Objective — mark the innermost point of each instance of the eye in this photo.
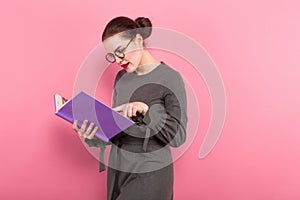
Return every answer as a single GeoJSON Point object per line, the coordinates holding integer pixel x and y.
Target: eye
{"type": "Point", "coordinates": [120, 50]}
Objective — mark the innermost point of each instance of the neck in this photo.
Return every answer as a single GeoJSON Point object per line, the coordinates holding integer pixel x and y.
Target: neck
{"type": "Point", "coordinates": [147, 64]}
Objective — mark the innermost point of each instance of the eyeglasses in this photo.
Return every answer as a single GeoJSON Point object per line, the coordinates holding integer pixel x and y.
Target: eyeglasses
{"type": "Point", "coordinates": [119, 52]}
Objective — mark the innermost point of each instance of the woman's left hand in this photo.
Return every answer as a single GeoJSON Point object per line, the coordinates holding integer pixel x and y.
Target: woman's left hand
{"type": "Point", "coordinates": [130, 109]}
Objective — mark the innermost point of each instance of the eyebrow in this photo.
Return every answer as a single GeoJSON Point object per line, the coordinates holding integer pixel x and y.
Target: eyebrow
{"type": "Point", "coordinates": [119, 47]}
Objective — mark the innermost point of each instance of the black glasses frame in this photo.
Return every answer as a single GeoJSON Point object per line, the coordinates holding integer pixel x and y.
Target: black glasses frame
{"type": "Point", "coordinates": [111, 57]}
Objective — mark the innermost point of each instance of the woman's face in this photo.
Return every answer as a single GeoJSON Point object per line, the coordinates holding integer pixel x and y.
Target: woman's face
{"type": "Point", "coordinates": [133, 52]}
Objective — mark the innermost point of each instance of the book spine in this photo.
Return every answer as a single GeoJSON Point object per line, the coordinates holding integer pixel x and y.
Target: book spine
{"type": "Point", "coordinates": [67, 118]}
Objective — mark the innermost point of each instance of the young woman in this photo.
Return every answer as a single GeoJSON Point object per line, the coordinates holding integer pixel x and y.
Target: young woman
{"type": "Point", "coordinates": [153, 95]}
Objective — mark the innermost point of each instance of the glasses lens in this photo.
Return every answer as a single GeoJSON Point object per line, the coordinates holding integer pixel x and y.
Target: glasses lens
{"type": "Point", "coordinates": [120, 54]}
{"type": "Point", "coordinates": [110, 57]}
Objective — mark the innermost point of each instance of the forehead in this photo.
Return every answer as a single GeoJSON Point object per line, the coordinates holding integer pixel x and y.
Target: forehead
{"type": "Point", "coordinates": [113, 42]}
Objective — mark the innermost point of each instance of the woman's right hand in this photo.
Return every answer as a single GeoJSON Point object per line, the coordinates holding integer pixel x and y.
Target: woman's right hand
{"type": "Point", "coordinates": [89, 133]}
{"type": "Point", "coordinates": [130, 109]}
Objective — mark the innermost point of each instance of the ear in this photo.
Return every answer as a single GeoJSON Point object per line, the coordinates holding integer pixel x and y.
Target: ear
{"type": "Point", "coordinates": [139, 39]}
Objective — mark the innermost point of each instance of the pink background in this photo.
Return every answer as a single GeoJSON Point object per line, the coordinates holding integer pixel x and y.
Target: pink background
{"type": "Point", "coordinates": [256, 46]}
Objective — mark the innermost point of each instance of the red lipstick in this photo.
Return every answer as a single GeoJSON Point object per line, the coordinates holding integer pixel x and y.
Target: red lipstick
{"type": "Point", "coordinates": [125, 65]}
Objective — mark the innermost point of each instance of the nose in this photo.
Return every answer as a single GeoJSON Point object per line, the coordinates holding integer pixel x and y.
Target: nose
{"type": "Point", "coordinates": [118, 60]}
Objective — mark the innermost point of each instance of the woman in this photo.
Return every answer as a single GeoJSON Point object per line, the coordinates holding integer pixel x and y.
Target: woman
{"type": "Point", "coordinates": [152, 94]}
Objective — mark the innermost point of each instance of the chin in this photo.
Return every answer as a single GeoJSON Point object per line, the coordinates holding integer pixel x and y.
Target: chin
{"type": "Point", "coordinates": [130, 68]}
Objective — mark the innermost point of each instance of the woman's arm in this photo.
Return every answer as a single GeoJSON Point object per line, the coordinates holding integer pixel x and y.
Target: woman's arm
{"type": "Point", "coordinates": [167, 122]}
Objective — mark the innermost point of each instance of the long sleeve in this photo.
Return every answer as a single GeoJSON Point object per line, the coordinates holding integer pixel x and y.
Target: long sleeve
{"type": "Point", "coordinates": [165, 122]}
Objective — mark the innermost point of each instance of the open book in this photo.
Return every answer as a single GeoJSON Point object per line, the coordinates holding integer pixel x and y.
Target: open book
{"type": "Point", "coordinates": [83, 106]}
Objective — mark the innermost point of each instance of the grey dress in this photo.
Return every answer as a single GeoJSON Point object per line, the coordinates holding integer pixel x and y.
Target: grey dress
{"type": "Point", "coordinates": [140, 162]}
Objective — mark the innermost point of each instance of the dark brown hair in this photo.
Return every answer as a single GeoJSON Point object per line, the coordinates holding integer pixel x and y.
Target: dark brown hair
{"type": "Point", "coordinates": [129, 27]}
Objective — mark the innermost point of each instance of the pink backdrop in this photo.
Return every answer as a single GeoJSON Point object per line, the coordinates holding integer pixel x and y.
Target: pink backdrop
{"type": "Point", "coordinates": [256, 46]}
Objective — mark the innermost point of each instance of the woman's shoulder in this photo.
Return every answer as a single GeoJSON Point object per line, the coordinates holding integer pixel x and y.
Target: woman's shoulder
{"type": "Point", "coordinates": [120, 73]}
{"type": "Point", "coordinates": [173, 81]}
{"type": "Point", "coordinates": [170, 73]}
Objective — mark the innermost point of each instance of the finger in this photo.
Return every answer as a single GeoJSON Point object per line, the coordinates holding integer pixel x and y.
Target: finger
{"type": "Point", "coordinates": [80, 133]}
{"type": "Point", "coordinates": [140, 109]}
{"type": "Point", "coordinates": [125, 110]}
{"type": "Point", "coordinates": [144, 108]}
{"type": "Point", "coordinates": [91, 136]}
{"type": "Point", "coordinates": [118, 108]}
{"type": "Point", "coordinates": [82, 129]}
{"type": "Point", "coordinates": [75, 125]}
{"type": "Point", "coordinates": [129, 110]}
{"type": "Point", "coordinates": [89, 128]}
{"type": "Point", "coordinates": [134, 110]}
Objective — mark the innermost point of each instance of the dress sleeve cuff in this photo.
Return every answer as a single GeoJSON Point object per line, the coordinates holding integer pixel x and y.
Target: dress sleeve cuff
{"type": "Point", "coordinates": [147, 119]}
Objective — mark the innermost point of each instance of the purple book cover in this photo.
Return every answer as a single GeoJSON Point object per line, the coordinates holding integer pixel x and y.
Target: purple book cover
{"type": "Point", "coordinates": [83, 106]}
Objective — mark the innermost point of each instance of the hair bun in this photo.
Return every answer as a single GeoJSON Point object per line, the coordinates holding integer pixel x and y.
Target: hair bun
{"type": "Point", "coordinates": [145, 25]}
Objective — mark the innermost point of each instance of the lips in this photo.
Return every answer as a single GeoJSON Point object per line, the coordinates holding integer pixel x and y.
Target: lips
{"type": "Point", "coordinates": [125, 65]}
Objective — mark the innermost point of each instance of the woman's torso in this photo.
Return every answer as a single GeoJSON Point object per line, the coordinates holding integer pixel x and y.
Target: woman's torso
{"type": "Point", "coordinates": [127, 152]}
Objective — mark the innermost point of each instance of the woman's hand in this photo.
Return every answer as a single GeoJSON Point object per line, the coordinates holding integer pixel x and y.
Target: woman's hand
{"type": "Point", "coordinates": [89, 133]}
{"type": "Point", "coordinates": [130, 109]}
